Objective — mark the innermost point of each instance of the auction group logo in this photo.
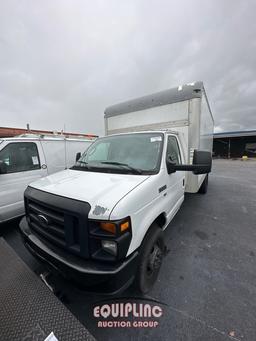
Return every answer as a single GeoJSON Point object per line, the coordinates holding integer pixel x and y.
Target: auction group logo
{"type": "Point", "coordinates": [128, 314]}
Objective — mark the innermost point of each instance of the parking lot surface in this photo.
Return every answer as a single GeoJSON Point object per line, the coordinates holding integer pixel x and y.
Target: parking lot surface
{"type": "Point", "coordinates": [208, 277]}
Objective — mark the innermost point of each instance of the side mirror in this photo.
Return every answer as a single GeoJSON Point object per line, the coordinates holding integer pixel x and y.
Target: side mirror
{"type": "Point", "coordinates": [202, 164]}
{"type": "Point", "coordinates": [3, 168]}
{"type": "Point", "coordinates": [78, 155]}
{"type": "Point", "coordinates": [203, 161]}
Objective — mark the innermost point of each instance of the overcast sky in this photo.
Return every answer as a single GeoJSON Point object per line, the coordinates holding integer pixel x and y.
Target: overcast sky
{"type": "Point", "coordinates": [63, 61]}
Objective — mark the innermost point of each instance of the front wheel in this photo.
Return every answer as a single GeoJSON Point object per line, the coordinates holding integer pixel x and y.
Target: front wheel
{"type": "Point", "coordinates": [150, 261]}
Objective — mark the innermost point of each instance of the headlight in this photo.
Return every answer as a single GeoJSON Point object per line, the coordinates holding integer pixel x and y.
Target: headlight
{"type": "Point", "coordinates": [109, 240]}
{"type": "Point", "coordinates": [109, 246]}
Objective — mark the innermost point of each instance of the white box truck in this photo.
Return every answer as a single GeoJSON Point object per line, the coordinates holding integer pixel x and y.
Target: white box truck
{"type": "Point", "coordinates": [102, 222]}
{"type": "Point", "coordinates": [26, 158]}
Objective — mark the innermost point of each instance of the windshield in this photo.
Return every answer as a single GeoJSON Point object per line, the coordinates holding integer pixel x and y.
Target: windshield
{"type": "Point", "coordinates": [138, 153]}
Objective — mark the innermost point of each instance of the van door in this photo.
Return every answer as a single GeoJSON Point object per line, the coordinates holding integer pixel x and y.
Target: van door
{"type": "Point", "coordinates": [54, 151]}
{"type": "Point", "coordinates": [176, 181]}
{"type": "Point", "coordinates": [20, 164]}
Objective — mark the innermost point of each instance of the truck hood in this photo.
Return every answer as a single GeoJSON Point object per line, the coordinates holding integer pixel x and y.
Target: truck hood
{"type": "Point", "coordinates": [101, 190]}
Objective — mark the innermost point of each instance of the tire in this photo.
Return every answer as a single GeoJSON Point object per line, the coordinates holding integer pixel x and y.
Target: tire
{"type": "Point", "coordinates": [204, 187]}
{"type": "Point", "coordinates": [150, 261]}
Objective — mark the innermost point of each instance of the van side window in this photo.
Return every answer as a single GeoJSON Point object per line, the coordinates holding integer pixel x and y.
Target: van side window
{"type": "Point", "coordinates": [20, 157]}
{"type": "Point", "coordinates": [173, 150]}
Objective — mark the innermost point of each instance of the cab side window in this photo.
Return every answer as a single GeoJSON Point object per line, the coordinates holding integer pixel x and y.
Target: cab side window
{"type": "Point", "coordinates": [19, 157]}
{"type": "Point", "coordinates": [173, 151]}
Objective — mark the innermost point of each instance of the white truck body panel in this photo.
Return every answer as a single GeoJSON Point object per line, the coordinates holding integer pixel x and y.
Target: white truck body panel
{"type": "Point", "coordinates": [167, 116]}
{"type": "Point", "coordinates": [53, 155]}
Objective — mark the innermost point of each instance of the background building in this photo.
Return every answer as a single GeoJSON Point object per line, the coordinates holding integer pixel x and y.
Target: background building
{"type": "Point", "coordinates": [235, 144]}
{"type": "Point", "coordinates": [10, 132]}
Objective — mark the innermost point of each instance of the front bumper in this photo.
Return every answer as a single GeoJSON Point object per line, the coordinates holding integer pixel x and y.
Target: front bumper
{"type": "Point", "coordinates": [106, 278]}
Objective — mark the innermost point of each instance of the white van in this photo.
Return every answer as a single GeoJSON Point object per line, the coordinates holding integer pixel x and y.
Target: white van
{"type": "Point", "coordinates": [102, 222]}
{"type": "Point", "coordinates": [26, 158]}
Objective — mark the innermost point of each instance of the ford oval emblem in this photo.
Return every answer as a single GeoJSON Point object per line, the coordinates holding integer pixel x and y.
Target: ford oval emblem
{"type": "Point", "coordinates": [43, 220]}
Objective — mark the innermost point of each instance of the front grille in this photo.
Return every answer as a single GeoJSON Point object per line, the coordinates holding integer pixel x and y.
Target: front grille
{"type": "Point", "coordinates": [58, 220]}
{"type": "Point", "coordinates": [54, 230]}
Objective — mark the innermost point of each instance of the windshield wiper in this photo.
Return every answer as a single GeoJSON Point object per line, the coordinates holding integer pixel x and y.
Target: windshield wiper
{"type": "Point", "coordinates": [85, 165]}
{"type": "Point", "coordinates": [83, 162]}
{"type": "Point", "coordinates": [135, 170]}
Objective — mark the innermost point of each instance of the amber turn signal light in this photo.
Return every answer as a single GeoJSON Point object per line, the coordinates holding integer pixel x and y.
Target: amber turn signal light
{"type": "Point", "coordinates": [109, 227]}
{"type": "Point", "coordinates": [124, 226]}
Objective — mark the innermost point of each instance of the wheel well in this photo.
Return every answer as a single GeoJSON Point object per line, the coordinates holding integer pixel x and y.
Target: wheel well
{"type": "Point", "coordinates": [160, 220]}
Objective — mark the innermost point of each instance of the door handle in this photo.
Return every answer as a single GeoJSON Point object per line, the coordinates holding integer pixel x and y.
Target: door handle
{"type": "Point", "coordinates": [161, 189]}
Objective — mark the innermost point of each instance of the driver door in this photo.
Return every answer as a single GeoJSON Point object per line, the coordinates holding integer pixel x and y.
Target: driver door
{"type": "Point", "coordinates": [175, 181]}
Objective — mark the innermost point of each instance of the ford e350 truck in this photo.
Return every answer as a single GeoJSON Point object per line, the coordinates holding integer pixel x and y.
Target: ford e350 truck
{"type": "Point", "coordinates": [102, 222]}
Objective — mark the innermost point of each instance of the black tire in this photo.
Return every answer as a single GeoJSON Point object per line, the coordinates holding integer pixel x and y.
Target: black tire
{"type": "Point", "coordinates": [150, 261]}
{"type": "Point", "coordinates": [204, 187]}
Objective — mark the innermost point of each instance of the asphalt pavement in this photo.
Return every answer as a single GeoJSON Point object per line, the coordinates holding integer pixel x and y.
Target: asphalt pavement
{"type": "Point", "coordinates": [208, 278]}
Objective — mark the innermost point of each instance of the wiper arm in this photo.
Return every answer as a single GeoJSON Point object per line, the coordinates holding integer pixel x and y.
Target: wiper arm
{"type": "Point", "coordinates": [135, 170]}
{"type": "Point", "coordinates": [76, 166]}
{"type": "Point", "coordinates": [83, 162]}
